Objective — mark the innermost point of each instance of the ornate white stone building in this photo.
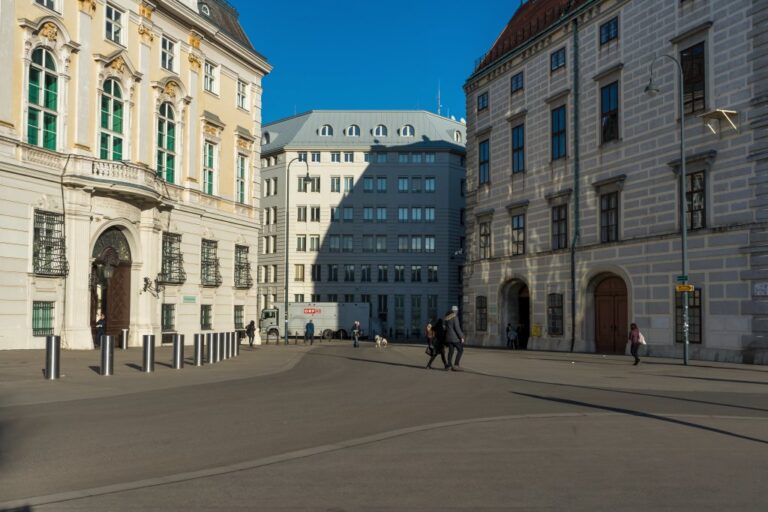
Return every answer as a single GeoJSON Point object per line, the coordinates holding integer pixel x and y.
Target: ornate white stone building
{"type": "Point", "coordinates": [129, 144]}
{"type": "Point", "coordinates": [573, 199]}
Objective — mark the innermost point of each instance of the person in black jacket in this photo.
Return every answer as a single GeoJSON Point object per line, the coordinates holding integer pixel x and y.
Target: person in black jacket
{"type": "Point", "coordinates": [454, 338]}
{"type": "Point", "coordinates": [250, 331]}
{"type": "Point", "coordinates": [437, 343]}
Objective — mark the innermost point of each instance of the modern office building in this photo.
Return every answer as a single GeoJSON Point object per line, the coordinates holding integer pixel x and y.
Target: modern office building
{"type": "Point", "coordinates": [129, 143]}
{"type": "Point", "coordinates": [375, 212]}
{"type": "Point", "coordinates": [573, 178]}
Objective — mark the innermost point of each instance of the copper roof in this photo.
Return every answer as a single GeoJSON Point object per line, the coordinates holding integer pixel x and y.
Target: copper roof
{"type": "Point", "coordinates": [531, 19]}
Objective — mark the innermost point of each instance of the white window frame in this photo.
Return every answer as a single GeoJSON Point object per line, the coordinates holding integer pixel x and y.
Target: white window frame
{"type": "Point", "coordinates": [242, 94]}
{"type": "Point", "coordinates": [210, 77]}
{"type": "Point", "coordinates": [168, 48]}
{"type": "Point", "coordinates": [113, 27]}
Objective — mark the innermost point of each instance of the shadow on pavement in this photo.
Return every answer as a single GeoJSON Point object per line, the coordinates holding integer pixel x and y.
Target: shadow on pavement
{"type": "Point", "coordinates": [641, 414]}
{"type": "Point", "coordinates": [714, 379]}
{"type": "Point", "coordinates": [363, 360]}
{"type": "Point", "coordinates": [25, 508]}
{"type": "Point", "coordinates": [134, 366]}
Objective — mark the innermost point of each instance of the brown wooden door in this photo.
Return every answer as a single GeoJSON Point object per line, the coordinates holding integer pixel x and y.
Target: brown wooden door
{"type": "Point", "coordinates": [610, 316]}
{"type": "Point", "coordinates": [117, 307]}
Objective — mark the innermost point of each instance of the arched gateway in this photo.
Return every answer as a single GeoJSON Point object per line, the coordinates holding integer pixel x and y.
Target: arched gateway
{"type": "Point", "coordinates": [516, 310]}
{"type": "Point", "coordinates": [111, 282]}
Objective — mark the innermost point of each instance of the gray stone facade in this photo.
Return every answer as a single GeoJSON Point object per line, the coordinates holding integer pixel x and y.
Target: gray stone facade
{"type": "Point", "coordinates": [726, 249]}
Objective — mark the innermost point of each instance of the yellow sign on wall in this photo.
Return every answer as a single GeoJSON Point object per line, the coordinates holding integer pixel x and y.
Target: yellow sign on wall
{"type": "Point", "coordinates": [684, 288]}
{"type": "Point", "coordinates": [536, 330]}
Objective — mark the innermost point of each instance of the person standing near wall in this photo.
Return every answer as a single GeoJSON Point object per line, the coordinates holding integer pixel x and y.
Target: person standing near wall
{"type": "Point", "coordinates": [454, 337]}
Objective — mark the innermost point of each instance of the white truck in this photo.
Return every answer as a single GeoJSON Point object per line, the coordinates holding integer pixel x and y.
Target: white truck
{"type": "Point", "coordinates": [331, 319]}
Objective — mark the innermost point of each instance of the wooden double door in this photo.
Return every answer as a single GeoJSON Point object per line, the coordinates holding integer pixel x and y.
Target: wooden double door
{"type": "Point", "coordinates": [611, 328]}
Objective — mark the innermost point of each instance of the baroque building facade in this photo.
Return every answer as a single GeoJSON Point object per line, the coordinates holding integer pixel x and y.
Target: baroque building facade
{"type": "Point", "coordinates": [129, 143]}
{"type": "Point", "coordinates": [573, 209]}
{"type": "Point", "coordinates": [375, 209]}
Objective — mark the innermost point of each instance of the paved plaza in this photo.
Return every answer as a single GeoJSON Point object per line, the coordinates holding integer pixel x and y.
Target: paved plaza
{"type": "Point", "coordinates": [332, 428]}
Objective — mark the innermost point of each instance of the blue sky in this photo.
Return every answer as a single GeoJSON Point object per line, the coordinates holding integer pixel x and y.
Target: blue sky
{"type": "Point", "coordinates": [359, 54]}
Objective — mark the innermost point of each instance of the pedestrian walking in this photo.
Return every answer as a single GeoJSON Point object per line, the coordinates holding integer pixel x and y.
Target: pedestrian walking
{"type": "Point", "coordinates": [250, 331]}
{"type": "Point", "coordinates": [454, 338]}
{"type": "Point", "coordinates": [636, 339]}
{"type": "Point", "coordinates": [309, 332]}
{"type": "Point", "coordinates": [356, 333]}
{"type": "Point", "coordinates": [511, 336]}
{"type": "Point", "coordinates": [436, 343]}
{"type": "Point", "coordinates": [101, 328]}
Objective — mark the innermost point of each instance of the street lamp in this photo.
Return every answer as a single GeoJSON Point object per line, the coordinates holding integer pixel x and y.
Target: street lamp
{"type": "Point", "coordinates": [307, 179]}
{"type": "Point", "coordinates": [651, 89]}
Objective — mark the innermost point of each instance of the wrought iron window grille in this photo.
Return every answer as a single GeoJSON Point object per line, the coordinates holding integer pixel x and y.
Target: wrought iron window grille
{"type": "Point", "coordinates": [49, 247]}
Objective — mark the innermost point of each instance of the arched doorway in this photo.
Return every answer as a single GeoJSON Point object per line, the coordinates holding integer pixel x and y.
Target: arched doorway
{"type": "Point", "coordinates": [610, 316]}
{"type": "Point", "coordinates": [517, 310]}
{"type": "Point", "coordinates": [111, 282]}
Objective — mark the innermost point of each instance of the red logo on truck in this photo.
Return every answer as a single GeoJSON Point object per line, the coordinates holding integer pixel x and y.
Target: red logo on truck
{"type": "Point", "coordinates": [312, 311]}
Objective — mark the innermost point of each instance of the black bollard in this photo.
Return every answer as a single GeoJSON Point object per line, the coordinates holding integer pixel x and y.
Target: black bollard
{"type": "Point", "coordinates": [198, 349]}
{"type": "Point", "coordinates": [149, 353]}
{"type": "Point", "coordinates": [107, 355]}
{"type": "Point", "coordinates": [221, 347]}
{"type": "Point", "coordinates": [209, 342]}
{"type": "Point", "coordinates": [225, 353]}
{"type": "Point", "coordinates": [52, 356]}
{"type": "Point", "coordinates": [215, 342]}
{"type": "Point", "coordinates": [178, 351]}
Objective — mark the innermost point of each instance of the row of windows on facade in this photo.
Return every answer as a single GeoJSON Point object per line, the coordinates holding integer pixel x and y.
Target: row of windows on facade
{"type": "Point", "coordinates": [269, 273]}
{"type": "Point", "coordinates": [692, 61]}
{"type": "Point", "coordinates": [42, 127]}
{"type": "Point", "coordinates": [345, 243]}
{"type": "Point", "coordinates": [115, 23]}
{"type": "Point", "coordinates": [405, 184]}
{"type": "Point", "coordinates": [349, 157]}
{"type": "Point", "coordinates": [382, 309]}
{"type": "Point", "coordinates": [168, 317]}
{"type": "Point", "coordinates": [609, 220]}
{"type": "Point", "coordinates": [380, 130]}
{"type": "Point", "coordinates": [556, 315]}
{"type": "Point", "coordinates": [347, 214]}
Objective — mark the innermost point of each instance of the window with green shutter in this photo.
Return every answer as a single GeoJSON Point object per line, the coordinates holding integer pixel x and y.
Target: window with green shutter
{"type": "Point", "coordinates": [42, 113]}
{"type": "Point", "coordinates": [209, 166]}
{"type": "Point", "coordinates": [166, 143]}
{"type": "Point", "coordinates": [111, 139]}
{"type": "Point", "coordinates": [42, 318]}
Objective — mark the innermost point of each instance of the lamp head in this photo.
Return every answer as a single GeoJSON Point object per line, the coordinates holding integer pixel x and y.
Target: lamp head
{"type": "Point", "coordinates": [651, 89]}
{"type": "Point", "coordinates": [108, 271]}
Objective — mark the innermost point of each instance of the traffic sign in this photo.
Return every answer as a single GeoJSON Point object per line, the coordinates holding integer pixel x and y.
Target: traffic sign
{"type": "Point", "coordinates": [682, 279]}
{"type": "Point", "coordinates": [684, 288]}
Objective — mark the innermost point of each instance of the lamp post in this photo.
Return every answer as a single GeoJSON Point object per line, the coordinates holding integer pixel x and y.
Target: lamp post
{"type": "Point", "coordinates": [651, 89]}
{"type": "Point", "coordinates": [307, 179]}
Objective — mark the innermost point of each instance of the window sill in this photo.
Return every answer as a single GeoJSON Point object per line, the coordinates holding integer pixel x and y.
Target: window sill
{"type": "Point", "coordinates": [611, 143]}
{"type": "Point", "coordinates": [116, 43]}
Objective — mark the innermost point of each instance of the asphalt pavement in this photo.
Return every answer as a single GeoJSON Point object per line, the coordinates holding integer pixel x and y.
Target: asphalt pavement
{"type": "Point", "coordinates": [334, 428]}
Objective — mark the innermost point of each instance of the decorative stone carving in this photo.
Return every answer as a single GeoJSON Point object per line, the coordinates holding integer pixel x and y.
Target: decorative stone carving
{"type": "Point", "coordinates": [118, 65]}
{"type": "Point", "coordinates": [146, 33]}
{"type": "Point", "coordinates": [244, 144]}
{"type": "Point", "coordinates": [211, 130]}
{"type": "Point", "coordinates": [194, 41]}
{"type": "Point", "coordinates": [195, 61]}
{"type": "Point", "coordinates": [170, 89]}
{"type": "Point", "coordinates": [87, 6]}
{"type": "Point", "coordinates": [49, 31]}
{"type": "Point", "coordinates": [145, 11]}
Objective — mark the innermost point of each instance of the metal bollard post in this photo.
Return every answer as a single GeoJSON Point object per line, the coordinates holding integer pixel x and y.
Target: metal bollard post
{"type": "Point", "coordinates": [215, 346]}
{"type": "Point", "coordinates": [124, 340]}
{"type": "Point", "coordinates": [52, 357]}
{"type": "Point", "coordinates": [178, 351]}
{"type": "Point", "coordinates": [198, 349]}
{"type": "Point", "coordinates": [107, 355]}
{"type": "Point", "coordinates": [235, 344]}
{"type": "Point", "coordinates": [225, 347]}
{"type": "Point", "coordinates": [228, 341]}
{"type": "Point", "coordinates": [221, 347]}
{"type": "Point", "coordinates": [149, 353]}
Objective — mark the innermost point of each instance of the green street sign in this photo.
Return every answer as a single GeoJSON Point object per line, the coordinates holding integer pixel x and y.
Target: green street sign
{"type": "Point", "coordinates": [682, 279]}
{"type": "Point", "coordinates": [190, 299]}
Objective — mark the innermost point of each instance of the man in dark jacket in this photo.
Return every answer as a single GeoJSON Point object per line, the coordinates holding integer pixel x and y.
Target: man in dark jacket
{"type": "Point", "coordinates": [454, 338]}
{"type": "Point", "coordinates": [438, 344]}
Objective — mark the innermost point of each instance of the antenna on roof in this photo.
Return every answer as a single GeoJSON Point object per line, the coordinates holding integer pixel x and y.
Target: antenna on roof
{"type": "Point", "coordinates": [439, 105]}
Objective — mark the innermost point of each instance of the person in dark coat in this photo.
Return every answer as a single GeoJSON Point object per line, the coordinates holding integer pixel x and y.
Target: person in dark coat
{"type": "Point", "coordinates": [309, 332]}
{"type": "Point", "coordinates": [356, 333]}
{"type": "Point", "coordinates": [250, 331]}
{"type": "Point", "coordinates": [454, 338]}
{"type": "Point", "coordinates": [101, 328]}
{"type": "Point", "coordinates": [437, 342]}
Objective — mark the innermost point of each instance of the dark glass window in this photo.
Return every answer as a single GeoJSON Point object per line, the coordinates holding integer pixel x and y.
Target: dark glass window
{"type": "Point", "coordinates": [518, 234]}
{"type": "Point", "coordinates": [484, 167]}
{"type": "Point", "coordinates": [695, 214]}
{"type": "Point", "coordinates": [172, 265]}
{"type": "Point", "coordinates": [692, 62]}
{"type": "Point", "coordinates": [482, 101]}
{"type": "Point", "coordinates": [48, 247]}
{"type": "Point", "coordinates": [209, 264]}
{"type": "Point", "coordinates": [168, 317]}
{"type": "Point", "coordinates": [333, 272]}
{"type": "Point", "coordinates": [560, 227]}
{"type": "Point", "coordinates": [555, 314]}
{"type": "Point", "coordinates": [316, 272]}
{"type": "Point", "coordinates": [609, 112]}
{"type": "Point", "coordinates": [240, 314]}
{"type": "Point", "coordinates": [694, 316]}
{"type": "Point", "coordinates": [206, 317]}
{"type": "Point", "coordinates": [485, 240]}
{"type": "Point", "coordinates": [609, 217]}
{"type": "Point", "coordinates": [516, 82]}
{"type": "Point", "coordinates": [243, 277]}
{"type": "Point", "coordinates": [558, 133]}
{"type": "Point", "coordinates": [557, 59]}
{"type": "Point", "coordinates": [609, 31]}
{"type": "Point", "coordinates": [481, 313]}
{"type": "Point", "coordinates": [518, 148]}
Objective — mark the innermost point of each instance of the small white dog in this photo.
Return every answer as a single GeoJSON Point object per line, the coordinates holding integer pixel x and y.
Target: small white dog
{"type": "Point", "coordinates": [381, 342]}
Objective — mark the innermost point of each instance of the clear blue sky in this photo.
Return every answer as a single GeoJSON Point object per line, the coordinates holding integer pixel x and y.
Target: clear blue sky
{"type": "Point", "coordinates": [361, 54]}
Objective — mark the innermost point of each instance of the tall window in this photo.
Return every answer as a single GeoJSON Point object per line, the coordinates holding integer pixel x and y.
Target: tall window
{"type": "Point", "coordinates": [430, 184]}
{"type": "Point", "coordinates": [609, 112]}
{"type": "Point", "coordinates": [335, 183]}
{"type": "Point", "coordinates": [482, 101]}
{"type": "Point", "coordinates": [368, 184]}
{"type": "Point", "coordinates": [609, 217]}
{"type": "Point", "coordinates": [48, 246]}
{"type": "Point", "coordinates": [481, 313]}
{"type": "Point", "coordinates": [243, 277]}
{"type": "Point", "coordinates": [167, 54]}
{"type": "Point", "coordinates": [365, 273]}
{"type": "Point", "coordinates": [239, 316]}
{"type": "Point", "coordinates": [317, 272]}
{"type": "Point", "coordinates": [484, 162]}
{"type": "Point", "coordinates": [432, 307]}
{"type": "Point", "coordinates": [694, 316]}
{"type": "Point", "coordinates": [485, 240]}
{"type": "Point", "coordinates": [51, 4]}
{"type": "Point", "coordinates": [111, 139]}
{"type": "Point", "coordinates": [314, 243]}
{"type": "Point", "coordinates": [43, 100]}
{"type": "Point", "coordinates": [518, 234]}
{"type": "Point", "coordinates": [242, 171]}
{"type": "Point", "coordinates": [399, 315]}
{"type": "Point", "coordinates": [349, 156]}
{"type": "Point", "coordinates": [518, 148]}
{"type": "Point", "coordinates": [381, 184]}
{"type": "Point", "coordinates": [555, 314]}
{"type": "Point", "coordinates": [516, 83]}
{"type": "Point", "coordinates": [209, 167]}
{"type": "Point", "coordinates": [209, 264]}
{"type": "Point", "coordinates": [349, 272]}
{"type": "Point", "coordinates": [347, 243]}
{"type": "Point", "coordinates": [242, 95]}
{"type": "Point", "coordinates": [172, 271]}
{"type": "Point", "coordinates": [694, 78]}
{"type": "Point", "coordinates": [695, 214]}
{"type": "Point", "coordinates": [383, 273]}
{"type": "Point", "coordinates": [333, 272]}
{"type": "Point", "coordinates": [609, 31]}
{"type": "Point", "coordinates": [349, 184]}
{"type": "Point", "coordinates": [558, 133]}
{"type": "Point", "coordinates": [432, 273]}
{"type": "Point", "coordinates": [382, 307]}
{"type": "Point", "coordinates": [429, 243]}
{"type": "Point", "coordinates": [415, 273]}
{"type": "Point", "coordinates": [298, 272]}
{"type": "Point", "coordinates": [166, 143]}
{"type": "Point", "coordinates": [209, 77]}
{"type": "Point", "coordinates": [557, 59]}
{"type": "Point", "coordinates": [206, 317]}
{"type": "Point", "coordinates": [168, 317]}
{"type": "Point", "coordinates": [399, 273]}
{"type": "Point", "coordinates": [113, 27]}
{"type": "Point", "coordinates": [381, 214]}
{"type": "Point", "coordinates": [42, 318]}
{"type": "Point", "coordinates": [402, 184]}
{"type": "Point", "coordinates": [416, 315]}
{"type": "Point", "coordinates": [381, 243]}
{"type": "Point", "coordinates": [560, 227]}
{"type": "Point", "coordinates": [314, 212]}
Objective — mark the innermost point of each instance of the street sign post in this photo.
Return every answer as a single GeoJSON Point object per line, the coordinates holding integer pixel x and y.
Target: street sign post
{"type": "Point", "coordinates": [684, 288]}
{"type": "Point", "coordinates": [682, 279]}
